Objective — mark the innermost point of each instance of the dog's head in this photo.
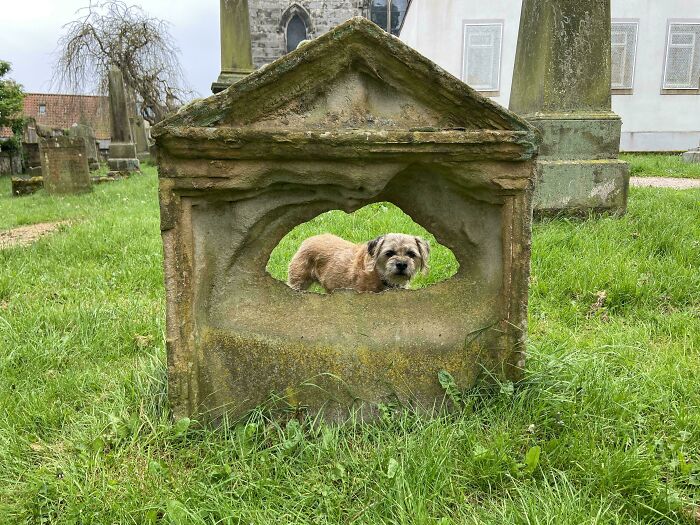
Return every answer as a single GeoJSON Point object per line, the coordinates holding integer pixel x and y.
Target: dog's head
{"type": "Point", "coordinates": [397, 257]}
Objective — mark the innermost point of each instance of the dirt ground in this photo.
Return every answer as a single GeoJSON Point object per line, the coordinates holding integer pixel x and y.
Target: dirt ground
{"type": "Point", "coordinates": [24, 235]}
{"type": "Point", "coordinates": [665, 182]}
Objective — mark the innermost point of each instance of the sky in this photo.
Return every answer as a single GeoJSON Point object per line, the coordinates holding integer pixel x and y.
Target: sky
{"type": "Point", "coordinates": [30, 29]}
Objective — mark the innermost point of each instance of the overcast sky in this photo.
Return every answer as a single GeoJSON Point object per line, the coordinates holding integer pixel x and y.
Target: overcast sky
{"type": "Point", "coordinates": [29, 31]}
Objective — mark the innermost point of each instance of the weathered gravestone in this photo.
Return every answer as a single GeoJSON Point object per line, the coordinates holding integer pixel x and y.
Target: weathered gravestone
{"type": "Point", "coordinates": [561, 84]}
{"type": "Point", "coordinates": [692, 156]}
{"type": "Point", "coordinates": [351, 118]}
{"type": "Point", "coordinates": [122, 151]}
{"type": "Point", "coordinates": [64, 165]}
{"type": "Point", "coordinates": [88, 135]}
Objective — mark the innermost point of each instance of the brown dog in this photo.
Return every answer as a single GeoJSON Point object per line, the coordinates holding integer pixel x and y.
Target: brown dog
{"type": "Point", "coordinates": [389, 261]}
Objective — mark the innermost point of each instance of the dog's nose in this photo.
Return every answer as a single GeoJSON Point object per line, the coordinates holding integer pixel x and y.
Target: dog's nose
{"type": "Point", "coordinates": [401, 266]}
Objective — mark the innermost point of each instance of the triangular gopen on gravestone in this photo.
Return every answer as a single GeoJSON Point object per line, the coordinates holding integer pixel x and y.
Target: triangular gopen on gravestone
{"type": "Point", "coordinates": [350, 118]}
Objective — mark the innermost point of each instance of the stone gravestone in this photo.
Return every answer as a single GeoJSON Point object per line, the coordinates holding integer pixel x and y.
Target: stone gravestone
{"type": "Point", "coordinates": [88, 135]}
{"type": "Point", "coordinates": [122, 151]}
{"type": "Point", "coordinates": [64, 163]}
{"type": "Point", "coordinates": [351, 118]}
{"type": "Point", "coordinates": [561, 84]}
{"type": "Point", "coordinates": [236, 51]}
{"type": "Point", "coordinates": [692, 156]}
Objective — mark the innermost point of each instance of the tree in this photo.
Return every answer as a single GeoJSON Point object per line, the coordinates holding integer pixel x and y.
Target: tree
{"type": "Point", "coordinates": [114, 33]}
{"type": "Point", "coordinates": [11, 97]}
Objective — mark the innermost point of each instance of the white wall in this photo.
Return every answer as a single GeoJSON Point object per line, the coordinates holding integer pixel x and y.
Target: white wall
{"type": "Point", "coordinates": [652, 121]}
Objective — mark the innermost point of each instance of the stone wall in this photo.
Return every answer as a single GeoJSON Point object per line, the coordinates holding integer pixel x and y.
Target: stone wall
{"type": "Point", "coordinates": [266, 17]}
{"type": "Point", "coordinates": [10, 163]}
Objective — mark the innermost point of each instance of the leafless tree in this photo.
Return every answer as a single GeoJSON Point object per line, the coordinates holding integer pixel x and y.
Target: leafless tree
{"type": "Point", "coordinates": [111, 32]}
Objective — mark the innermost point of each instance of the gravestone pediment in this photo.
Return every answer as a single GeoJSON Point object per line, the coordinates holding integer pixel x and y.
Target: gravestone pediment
{"type": "Point", "coordinates": [354, 77]}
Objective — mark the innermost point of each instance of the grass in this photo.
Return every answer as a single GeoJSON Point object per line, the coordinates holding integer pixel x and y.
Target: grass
{"type": "Point", "coordinates": [604, 430]}
{"type": "Point", "coordinates": [659, 165]}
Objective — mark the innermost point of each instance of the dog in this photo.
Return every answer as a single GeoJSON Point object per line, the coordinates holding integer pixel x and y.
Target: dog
{"type": "Point", "coordinates": [389, 261]}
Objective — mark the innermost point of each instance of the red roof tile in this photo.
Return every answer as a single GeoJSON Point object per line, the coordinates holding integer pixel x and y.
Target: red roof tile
{"type": "Point", "coordinates": [62, 111]}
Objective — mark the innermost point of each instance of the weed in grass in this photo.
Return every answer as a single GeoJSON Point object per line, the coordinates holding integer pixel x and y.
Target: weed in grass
{"type": "Point", "coordinates": [604, 429]}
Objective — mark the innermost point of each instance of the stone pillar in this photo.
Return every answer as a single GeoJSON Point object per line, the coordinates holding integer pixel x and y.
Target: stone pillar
{"type": "Point", "coordinates": [88, 135]}
{"type": "Point", "coordinates": [122, 151]}
{"type": "Point", "coordinates": [64, 164]}
{"type": "Point", "coordinates": [138, 129]}
{"type": "Point", "coordinates": [236, 54]}
{"type": "Point", "coordinates": [561, 84]}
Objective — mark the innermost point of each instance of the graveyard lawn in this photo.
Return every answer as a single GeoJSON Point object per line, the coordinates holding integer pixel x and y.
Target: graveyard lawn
{"type": "Point", "coordinates": [659, 165]}
{"type": "Point", "coordinates": [604, 429]}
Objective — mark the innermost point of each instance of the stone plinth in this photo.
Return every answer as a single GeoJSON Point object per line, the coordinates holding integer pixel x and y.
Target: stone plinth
{"type": "Point", "coordinates": [351, 118]}
{"type": "Point", "coordinates": [26, 185]}
{"type": "Point", "coordinates": [64, 165]}
{"type": "Point", "coordinates": [122, 150]}
{"type": "Point", "coordinates": [561, 84]}
{"type": "Point", "coordinates": [236, 54]}
{"type": "Point", "coordinates": [692, 156]}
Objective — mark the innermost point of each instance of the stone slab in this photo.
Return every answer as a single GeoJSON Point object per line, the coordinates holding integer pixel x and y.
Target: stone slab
{"type": "Point", "coordinates": [692, 156]}
{"type": "Point", "coordinates": [26, 185]}
{"type": "Point", "coordinates": [64, 165]}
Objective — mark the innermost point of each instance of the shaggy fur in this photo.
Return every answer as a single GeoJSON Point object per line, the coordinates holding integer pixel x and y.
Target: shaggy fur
{"type": "Point", "coordinates": [389, 261]}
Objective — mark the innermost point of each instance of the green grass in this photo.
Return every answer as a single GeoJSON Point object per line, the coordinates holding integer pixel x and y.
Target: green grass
{"type": "Point", "coordinates": [611, 399]}
{"type": "Point", "coordinates": [658, 165]}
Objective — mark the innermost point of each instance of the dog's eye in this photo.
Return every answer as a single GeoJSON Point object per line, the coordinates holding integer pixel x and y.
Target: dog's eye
{"type": "Point", "coordinates": [411, 254]}
{"type": "Point", "coordinates": [390, 253]}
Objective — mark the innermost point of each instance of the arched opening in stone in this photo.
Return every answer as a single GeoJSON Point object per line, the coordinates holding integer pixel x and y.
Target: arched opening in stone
{"type": "Point", "coordinates": [296, 32]}
{"type": "Point", "coordinates": [365, 224]}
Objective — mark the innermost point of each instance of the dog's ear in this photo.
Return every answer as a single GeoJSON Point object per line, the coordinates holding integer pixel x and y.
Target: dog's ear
{"type": "Point", "coordinates": [424, 250]}
{"type": "Point", "coordinates": [374, 248]}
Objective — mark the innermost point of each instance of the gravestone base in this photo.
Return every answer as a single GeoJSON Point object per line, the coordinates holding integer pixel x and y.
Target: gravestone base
{"type": "Point", "coordinates": [692, 156]}
{"type": "Point", "coordinates": [122, 159]}
{"type": "Point", "coordinates": [578, 169]}
{"type": "Point", "coordinates": [228, 77]}
{"type": "Point", "coordinates": [26, 185]}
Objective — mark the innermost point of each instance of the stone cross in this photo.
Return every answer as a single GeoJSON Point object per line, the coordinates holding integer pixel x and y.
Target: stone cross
{"type": "Point", "coordinates": [561, 84]}
{"type": "Point", "coordinates": [236, 53]}
{"type": "Point", "coordinates": [122, 151]}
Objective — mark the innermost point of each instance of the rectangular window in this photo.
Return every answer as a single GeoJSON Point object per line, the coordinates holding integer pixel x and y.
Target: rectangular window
{"type": "Point", "coordinates": [481, 67]}
{"type": "Point", "coordinates": [682, 69]}
{"type": "Point", "coordinates": [42, 109]}
{"type": "Point", "coordinates": [624, 52]}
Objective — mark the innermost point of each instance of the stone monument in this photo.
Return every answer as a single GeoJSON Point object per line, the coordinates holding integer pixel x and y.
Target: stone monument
{"type": "Point", "coordinates": [64, 164]}
{"type": "Point", "coordinates": [692, 156]}
{"type": "Point", "coordinates": [122, 151]}
{"type": "Point", "coordinates": [88, 135]}
{"type": "Point", "coordinates": [138, 128]}
{"type": "Point", "coordinates": [236, 54]}
{"type": "Point", "coordinates": [561, 84]}
{"type": "Point", "coordinates": [353, 117]}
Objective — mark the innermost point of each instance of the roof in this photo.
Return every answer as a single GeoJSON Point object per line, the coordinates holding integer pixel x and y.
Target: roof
{"type": "Point", "coordinates": [356, 76]}
{"type": "Point", "coordinates": [62, 111]}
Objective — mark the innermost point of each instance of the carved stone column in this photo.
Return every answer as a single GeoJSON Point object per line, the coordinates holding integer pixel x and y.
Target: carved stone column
{"type": "Point", "coordinates": [122, 151]}
{"type": "Point", "coordinates": [236, 54]}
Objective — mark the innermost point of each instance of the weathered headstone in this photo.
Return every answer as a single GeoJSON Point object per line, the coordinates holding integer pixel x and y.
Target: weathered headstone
{"type": "Point", "coordinates": [88, 135]}
{"type": "Point", "coordinates": [64, 165]}
{"type": "Point", "coordinates": [122, 151]}
{"type": "Point", "coordinates": [561, 84]}
{"type": "Point", "coordinates": [236, 54]}
{"type": "Point", "coordinates": [138, 128]}
{"type": "Point", "coordinates": [350, 118]}
{"type": "Point", "coordinates": [692, 156]}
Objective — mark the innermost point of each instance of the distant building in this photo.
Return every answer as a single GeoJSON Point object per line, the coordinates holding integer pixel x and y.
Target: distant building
{"type": "Point", "coordinates": [655, 60]}
{"type": "Point", "coordinates": [277, 26]}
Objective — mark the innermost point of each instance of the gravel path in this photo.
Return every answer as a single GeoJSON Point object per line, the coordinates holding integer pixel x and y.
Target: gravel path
{"type": "Point", "coordinates": [25, 235]}
{"type": "Point", "coordinates": [665, 182]}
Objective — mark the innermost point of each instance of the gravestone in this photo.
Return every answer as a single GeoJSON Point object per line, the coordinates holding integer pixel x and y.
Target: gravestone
{"type": "Point", "coordinates": [692, 156]}
{"type": "Point", "coordinates": [561, 84]}
{"type": "Point", "coordinates": [236, 51]}
{"type": "Point", "coordinates": [351, 118]}
{"type": "Point", "coordinates": [88, 135]}
{"type": "Point", "coordinates": [64, 165]}
{"type": "Point", "coordinates": [21, 186]}
{"type": "Point", "coordinates": [138, 128]}
{"type": "Point", "coordinates": [122, 151]}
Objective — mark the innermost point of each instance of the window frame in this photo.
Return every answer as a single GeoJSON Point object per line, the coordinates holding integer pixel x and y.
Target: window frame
{"type": "Point", "coordinates": [369, 5]}
{"type": "Point", "coordinates": [39, 110]}
{"type": "Point", "coordinates": [625, 90]}
{"type": "Point", "coordinates": [500, 22]}
{"type": "Point", "coordinates": [667, 46]}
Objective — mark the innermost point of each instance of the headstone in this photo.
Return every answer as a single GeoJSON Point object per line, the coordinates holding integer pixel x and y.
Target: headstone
{"type": "Point", "coordinates": [561, 84]}
{"type": "Point", "coordinates": [692, 156]}
{"type": "Point", "coordinates": [138, 129]}
{"type": "Point", "coordinates": [64, 165]}
{"type": "Point", "coordinates": [351, 118]}
{"type": "Point", "coordinates": [26, 185]}
{"type": "Point", "coordinates": [122, 151]}
{"type": "Point", "coordinates": [236, 54]}
{"type": "Point", "coordinates": [88, 135]}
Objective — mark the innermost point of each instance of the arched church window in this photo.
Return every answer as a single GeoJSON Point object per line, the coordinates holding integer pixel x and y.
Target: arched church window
{"type": "Point", "coordinates": [389, 14]}
{"type": "Point", "coordinates": [296, 32]}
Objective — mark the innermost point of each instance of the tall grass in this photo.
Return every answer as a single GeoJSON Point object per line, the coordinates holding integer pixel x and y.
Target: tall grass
{"type": "Point", "coordinates": [611, 399]}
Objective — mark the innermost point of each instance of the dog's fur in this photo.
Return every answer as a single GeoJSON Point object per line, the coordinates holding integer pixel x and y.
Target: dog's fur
{"type": "Point", "coordinates": [389, 261]}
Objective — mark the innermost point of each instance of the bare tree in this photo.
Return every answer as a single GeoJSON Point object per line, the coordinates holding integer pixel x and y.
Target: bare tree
{"type": "Point", "coordinates": [113, 33]}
